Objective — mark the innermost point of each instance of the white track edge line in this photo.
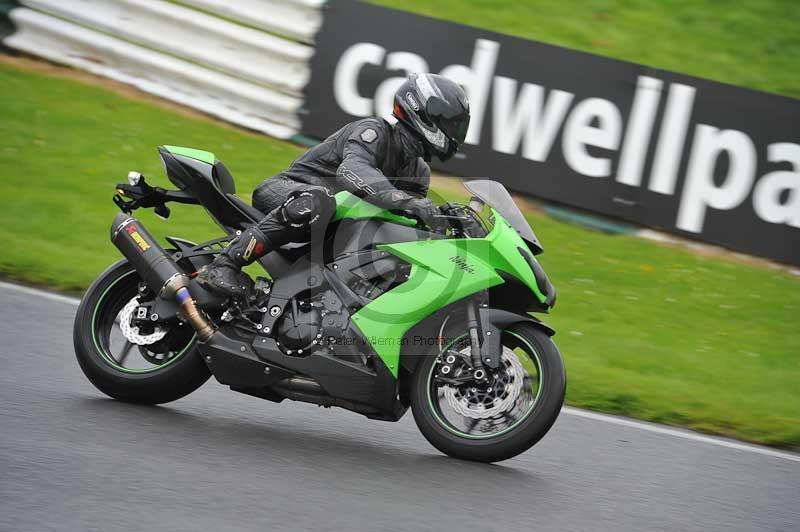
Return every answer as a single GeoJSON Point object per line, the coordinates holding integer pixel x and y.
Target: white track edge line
{"type": "Point", "coordinates": [39, 293]}
{"type": "Point", "coordinates": [678, 433]}
{"type": "Point", "coordinates": [586, 414]}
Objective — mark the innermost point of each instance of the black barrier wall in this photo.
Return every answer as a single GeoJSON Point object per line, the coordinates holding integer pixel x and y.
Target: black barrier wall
{"type": "Point", "coordinates": [702, 159]}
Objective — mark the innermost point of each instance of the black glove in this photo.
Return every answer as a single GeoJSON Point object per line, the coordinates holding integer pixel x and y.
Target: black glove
{"type": "Point", "coordinates": [424, 209]}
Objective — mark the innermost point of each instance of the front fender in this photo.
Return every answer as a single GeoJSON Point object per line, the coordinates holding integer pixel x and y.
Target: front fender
{"type": "Point", "coordinates": [419, 340]}
{"type": "Point", "coordinates": [492, 323]}
{"type": "Point", "coordinates": [502, 319]}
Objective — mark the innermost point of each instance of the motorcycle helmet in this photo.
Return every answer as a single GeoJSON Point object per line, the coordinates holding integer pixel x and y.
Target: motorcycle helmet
{"type": "Point", "coordinates": [436, 109]}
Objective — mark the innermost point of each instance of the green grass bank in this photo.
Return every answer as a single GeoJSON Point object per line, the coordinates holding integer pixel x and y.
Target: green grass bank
{"type": "Point", "coordinates": [752, 43]}
{"type": "Point", "coordinates": [648, 331]}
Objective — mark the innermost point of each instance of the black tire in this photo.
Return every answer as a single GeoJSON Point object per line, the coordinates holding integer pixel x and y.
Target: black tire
{"type": "Point", "coordinates": [520, 437]}
{"type": "Point", "coordinates": [174, 380]}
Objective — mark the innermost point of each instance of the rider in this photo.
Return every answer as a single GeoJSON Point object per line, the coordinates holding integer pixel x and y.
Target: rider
{"type": "Point", "coordinates": [383, 163]}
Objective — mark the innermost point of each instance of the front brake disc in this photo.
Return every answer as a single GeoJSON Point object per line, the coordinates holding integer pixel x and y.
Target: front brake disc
{"type": "Point", "coordinates": [499, 397]}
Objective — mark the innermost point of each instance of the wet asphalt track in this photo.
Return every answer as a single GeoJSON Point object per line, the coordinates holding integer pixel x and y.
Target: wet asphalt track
{"type": "Point", "coordinates": [72, 460]}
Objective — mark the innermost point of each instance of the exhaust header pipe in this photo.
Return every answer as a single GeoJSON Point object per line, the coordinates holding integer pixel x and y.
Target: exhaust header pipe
{"type": "Point", "coordinates": [157, 268]}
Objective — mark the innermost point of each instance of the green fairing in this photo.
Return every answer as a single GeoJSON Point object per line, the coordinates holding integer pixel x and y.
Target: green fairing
{"type": "Point", "coordinates": [350, 206]}
{"type": "Point", "coordinates": [442, 272]}
{"type": "Point", "coordinates": [200, 155]}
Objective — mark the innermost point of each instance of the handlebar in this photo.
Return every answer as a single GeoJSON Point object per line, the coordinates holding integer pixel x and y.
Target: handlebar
{"type": "Point", "coordinates": [443, 221]}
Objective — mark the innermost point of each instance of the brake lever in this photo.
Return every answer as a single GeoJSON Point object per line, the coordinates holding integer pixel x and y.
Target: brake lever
{"type": "Point", "coordinates": [142, 195]}
{"type": "Point", "coordinates": [124, 206]}
{"type": "Point", "coordinates": [438, 228]}
{"type": "Point", "coordinates": [140, 190]}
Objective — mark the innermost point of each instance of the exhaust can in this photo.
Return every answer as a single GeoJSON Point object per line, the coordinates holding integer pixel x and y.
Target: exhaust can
{"type": "Point", "coordinates": [150, 260]}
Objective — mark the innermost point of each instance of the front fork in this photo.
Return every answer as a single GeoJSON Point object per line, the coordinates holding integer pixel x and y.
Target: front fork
{"type": "Point", "coordinates": [473, 326]}
{"type": "Point", "coordinates": [484, 336]}
{"type": "Point", "coordinates": [485, 326]}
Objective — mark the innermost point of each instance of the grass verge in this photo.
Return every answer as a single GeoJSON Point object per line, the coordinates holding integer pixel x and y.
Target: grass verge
{"type": "Point", "coordinates": [648, 331]}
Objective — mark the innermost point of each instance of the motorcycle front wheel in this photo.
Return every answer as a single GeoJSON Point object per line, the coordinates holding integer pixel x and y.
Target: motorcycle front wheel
{"type": "Point", "coordinates": [147, 367]}
{"type": "Point", "coordinates": [499, 416]}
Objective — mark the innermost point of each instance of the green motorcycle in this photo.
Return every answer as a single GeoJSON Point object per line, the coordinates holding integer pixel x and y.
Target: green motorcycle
{"type": "Point", "coordinates": [377, 314]}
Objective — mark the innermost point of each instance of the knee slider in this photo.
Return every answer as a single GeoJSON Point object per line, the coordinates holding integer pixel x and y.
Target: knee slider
{"type": "Point", "coordinates": [308, 207]}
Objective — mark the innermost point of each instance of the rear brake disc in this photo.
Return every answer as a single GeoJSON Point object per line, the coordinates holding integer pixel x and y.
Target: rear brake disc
{"type": "Point", "coordinates": [131, 332]}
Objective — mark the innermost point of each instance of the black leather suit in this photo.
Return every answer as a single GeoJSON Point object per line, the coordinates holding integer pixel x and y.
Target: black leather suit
{"type": "Point", "coordinates": [375, 160]}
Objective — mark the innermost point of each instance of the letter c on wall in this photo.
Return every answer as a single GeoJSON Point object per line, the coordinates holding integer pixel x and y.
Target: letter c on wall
{"type": "Point", "coordinates": [345, 79]}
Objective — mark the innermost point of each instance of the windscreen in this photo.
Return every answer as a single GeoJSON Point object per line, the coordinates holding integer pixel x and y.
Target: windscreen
{"type": "Point", "coordinates": [496, 196]}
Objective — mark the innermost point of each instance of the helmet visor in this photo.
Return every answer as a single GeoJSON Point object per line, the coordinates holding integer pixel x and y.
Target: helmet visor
{"type": "Point", "coordinates": [453, 121]}
{"type": "Point", "coordinates": [455, 128]}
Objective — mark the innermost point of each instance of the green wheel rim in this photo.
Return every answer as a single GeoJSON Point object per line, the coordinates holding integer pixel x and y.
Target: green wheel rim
{"type": "Point", "coordinates": [447, 426]}
{"type": "Point", "coordinates": [108, 358]}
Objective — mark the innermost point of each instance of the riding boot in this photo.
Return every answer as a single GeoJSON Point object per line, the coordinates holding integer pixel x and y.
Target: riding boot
{"type": "Point", "coordinates": [224, 275]}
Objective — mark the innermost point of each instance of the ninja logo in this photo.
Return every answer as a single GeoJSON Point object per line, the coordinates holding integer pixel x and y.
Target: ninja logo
{"type": "Point", "coordinates": [461, 264]}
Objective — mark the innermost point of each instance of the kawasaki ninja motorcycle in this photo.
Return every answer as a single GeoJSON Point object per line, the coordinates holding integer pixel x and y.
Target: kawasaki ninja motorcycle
{"type": "Point", "coordinates": [376, 315]}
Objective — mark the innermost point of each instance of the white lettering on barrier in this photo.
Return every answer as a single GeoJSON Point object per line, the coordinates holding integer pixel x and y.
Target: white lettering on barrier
{"type": "Point", "coordinates": [478, 81]}
{"type": "Point", "coordinates": [699, 191]}
{"type": "Point", "coordinates": [767, 194]}
{"type": "Point", "coordinates": [640, 127]}
{"type": "Point", "coordinates": [672, 138]}
{"type": "Point", "coordinates": [579, 133]}
{"type": "Point", "coordinates": [406, 61]}
{"type": "Point", "coordinates": [534, 115]}
{"type": "Point", "coordinates": [345, 78]}
{"type": "Point", "coordinates": [527, 116]}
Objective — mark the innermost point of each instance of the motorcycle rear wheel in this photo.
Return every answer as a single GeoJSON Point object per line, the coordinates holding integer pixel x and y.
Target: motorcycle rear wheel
{"type": "Point", "coordinates": [504, 416]}
{"type": "Point", "coordinates": [164, 371]}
